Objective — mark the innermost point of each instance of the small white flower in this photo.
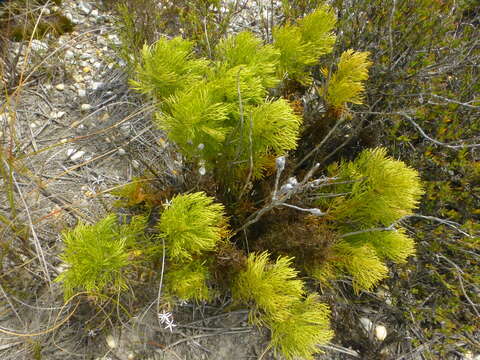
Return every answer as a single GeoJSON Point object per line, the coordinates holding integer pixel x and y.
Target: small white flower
{"type": "Point", "coordinates": [170, 325]}
{"type": "Point", "coordinates": [167, 203]}
{"type": "Point", "coordinates": [165, 317]}
{"type": "Point", "coordinates": [202, 171]}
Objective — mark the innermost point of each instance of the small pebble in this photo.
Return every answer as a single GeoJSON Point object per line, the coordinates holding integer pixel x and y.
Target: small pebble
{"type": "Point", "coordinates": [112, 344]}
{"type": "Point", "coordinates": [75, 155]}
{"type": "Point", "coordinates": [380, 332]}
{"type": "Point", "coordinates": [85, 107]}
{"type": "Point", "coordinates": [60, 87]}
{"type": "Point", "coordinates": [366, 324]}
{"type": "Point", "coordinates": [69, 54]}
{"type": "Point", "coordinates": [57, 114]}
{"type": "Point", "coordinates": [121, 152]}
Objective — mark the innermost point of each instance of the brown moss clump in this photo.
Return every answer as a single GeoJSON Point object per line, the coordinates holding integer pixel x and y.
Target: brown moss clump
{"type": "Point", "coordinates": [306, 238]}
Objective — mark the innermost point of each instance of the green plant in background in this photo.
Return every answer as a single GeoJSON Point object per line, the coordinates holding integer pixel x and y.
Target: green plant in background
{"type": "Point", "coordinates": [97, 256]}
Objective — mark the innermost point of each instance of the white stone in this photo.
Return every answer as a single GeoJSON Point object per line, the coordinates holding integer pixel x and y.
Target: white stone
{"type": "Point", "coordinates": [114, 39]}
{"type": "Point", "coordinates": [60, 87]}
{"type": "Point", "coordinates": [84, 7]}
{"type": "Point", "coordinates": [366, 324]}
{"type": "Point", "coordinates": [38, 45]}
{"type": "Point", "coordinates": [101, 40]}
{"type": "Point", "coordinates": [82, 92]}
{"type": "Point", "coordinates": [69, 54]}
{"type": "Point", "coordinates": [57, 114]}
{"type": "Point", "coordinates": [78, 78]}
{"type": "Point", "coordinates": [202, 171]}
{"type": "Point", "coordinates": [96, 84]}
{"type": "Point", "coordinates": [112, 344]}
{"type": "Point", "coordinates": [94, 13]}
{"type": "Point", "coordinates": [74, 154]}
{"type": "Point", "coordinates": [380, 332]}
{"type": "Point", "coordinates": [5, 117]}
{"type": "Point", "coordinates": [85, 107]}
{"type": "Point", "coordinates": [121, 152]}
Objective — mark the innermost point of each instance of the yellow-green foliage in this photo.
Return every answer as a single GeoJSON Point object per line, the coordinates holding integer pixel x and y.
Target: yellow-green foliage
{"type": "Point", "coordinates": [306, 327]}
{"type": "Point", "coordinates": [362, 263]}
{"type": "Point", "coordinates": [168, 66]}
{"type": "Point", "coordinates": [247, 49]}
{"type": "Point", "coordinates": [274, 129]}
{"type": "Point", "coordinates": [191, 225]}
{"type": "Point", "coordinates": [217, 111]}
{"type": "Point", "coordinates": [188, 281]}
{"type": "Point", "coordinates": [194, 118]}
{"type": "Point", "coordinates": [393, 245]}
{"type": "Point", "coordinates": [346, 85]}
{"type": "Point", "coordinates": [301, 45]}
{"type": "Point", "coordinates": [383, 191]}
{"type": "Point", "coordinates": [272, 289]}
{"type": "Point", "coordinates": [96, 255]}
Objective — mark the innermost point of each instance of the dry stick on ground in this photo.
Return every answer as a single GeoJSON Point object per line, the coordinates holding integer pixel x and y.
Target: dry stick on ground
{"type": "Point", "coordinates": [38, 246]}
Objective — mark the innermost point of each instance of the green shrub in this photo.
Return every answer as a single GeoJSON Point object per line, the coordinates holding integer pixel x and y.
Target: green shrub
{"type": "Point", "coordinates": [167, 67]}
{"type": "Point", "coordinates": [191, 224]}
{"type": "Point", "coordinates": [346, 84]}
{"type": "Point", "coordinates": [307, 326]}
{"type": "Point", "coordinates": [302, 45]}
{"type": "Point", "coordinates": [189, 281]}
{"type": "Point", "coordinates": [380, 191]}
{"type": "Point", "coordinates": [97, 256]}
{"type": "Point", "coordinates": [271, 289]}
